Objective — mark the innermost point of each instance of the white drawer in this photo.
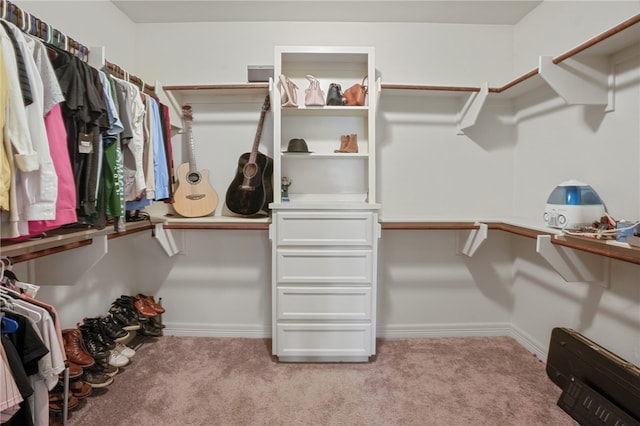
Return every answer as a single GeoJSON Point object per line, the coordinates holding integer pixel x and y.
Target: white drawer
{"type": "Point", "coordinates": [324, 266]}
{"type": "Point", "coordinates": [324, 340]}
{"type": "Point", "coordinates": [325, 228]}
{"type": "Point", "coordinates": [324, 303]}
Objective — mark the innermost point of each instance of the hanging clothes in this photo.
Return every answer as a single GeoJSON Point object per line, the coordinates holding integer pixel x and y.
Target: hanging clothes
{"type": "Point", "coordinates": [18, 145]}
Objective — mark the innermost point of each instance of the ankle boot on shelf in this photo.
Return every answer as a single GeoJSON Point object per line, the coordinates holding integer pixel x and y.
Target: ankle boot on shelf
{"type": "Point", "coordinates": [348, 144]}
{"type": "Point", "coordinates": [75, 348]}
{"type": "Point", "coordinates": [290, 94]}
{"type": "Point", "coordinates": [344, 141]}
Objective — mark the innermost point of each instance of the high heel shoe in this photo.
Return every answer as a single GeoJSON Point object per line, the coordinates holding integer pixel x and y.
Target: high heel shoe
{"type": "Point", "coordinates": [290, 95]}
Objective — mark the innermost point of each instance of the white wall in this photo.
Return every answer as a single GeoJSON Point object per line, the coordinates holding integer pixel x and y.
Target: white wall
{"type": "Point", "coordinates": [555, 27]}
{"type": "Point", "coordinates": [92, 23]}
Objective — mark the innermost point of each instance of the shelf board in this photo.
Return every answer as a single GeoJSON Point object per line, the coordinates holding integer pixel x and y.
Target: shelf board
{"type": "Point", "coordinates": [312, 155]}
{"type": "Point", "coordinates": [200, 90]}
{"type": "Point", "coordinates": [606, 248]}
{"type": "Point", "coordinates": [64, 239]}
{"type": "Point", "coordinates": [216, 222]}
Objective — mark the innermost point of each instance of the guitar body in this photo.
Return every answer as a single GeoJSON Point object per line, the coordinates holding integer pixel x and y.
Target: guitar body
{"type": "Point", "coordinates": [194, 196]}
{"type": "Point", "coordinates": [246, 194]}
{"type": "Point", "coordinates": [251, 190]}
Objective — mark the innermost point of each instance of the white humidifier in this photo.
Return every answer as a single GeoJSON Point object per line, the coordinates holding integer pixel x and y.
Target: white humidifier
{"type": "Point", "coordinates": [573, 204]}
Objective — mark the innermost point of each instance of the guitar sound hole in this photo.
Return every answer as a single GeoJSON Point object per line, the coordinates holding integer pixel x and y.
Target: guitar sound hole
{"type": "Point", "coordinates": [250, 170]}
{"type": "Point", "coordinates": [193, 178]}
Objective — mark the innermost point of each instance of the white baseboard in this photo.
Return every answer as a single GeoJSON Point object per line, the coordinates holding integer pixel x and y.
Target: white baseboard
{"type": "Point", "coordinates": [217, 330]}
{"type": "Point", "coordinates": [406, 331]}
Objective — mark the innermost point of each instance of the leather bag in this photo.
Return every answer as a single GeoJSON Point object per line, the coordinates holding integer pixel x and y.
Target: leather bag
{"type": "Point", "coordinates": [334, 94]}
{"type": "Point", "coordinates": [314, 96]}
{"type": "Point", "coordinates": [356, 94]}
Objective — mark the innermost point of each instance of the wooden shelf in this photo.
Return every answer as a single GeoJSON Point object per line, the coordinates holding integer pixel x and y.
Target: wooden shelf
{"type": "Point", "coordinates": [606, 248]}
{"type": "Point", "coordinates": [64, 239]}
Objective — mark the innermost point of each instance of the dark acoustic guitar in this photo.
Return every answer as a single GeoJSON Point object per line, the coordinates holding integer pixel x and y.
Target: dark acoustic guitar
{"type": "Point", "coordinates": [194, 196]}
{"type": "Point", "coordinates": [251, 190]}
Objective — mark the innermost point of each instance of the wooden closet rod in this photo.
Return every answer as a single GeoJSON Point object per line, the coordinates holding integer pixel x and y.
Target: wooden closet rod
{"type": "Point", "coordinates": [597, 39]}
{"type": "Point", "coordinates": [121, 73]}
{"type": "Point", "coordinates": [31, 24]}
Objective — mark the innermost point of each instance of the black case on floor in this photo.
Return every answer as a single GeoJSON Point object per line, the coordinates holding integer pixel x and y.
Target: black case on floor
{"type": "Point", "coordinates": [572, 354]}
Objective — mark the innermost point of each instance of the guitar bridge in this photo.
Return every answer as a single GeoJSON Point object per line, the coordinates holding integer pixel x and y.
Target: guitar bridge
{"type": "Point", "coordinates": [195, 197]}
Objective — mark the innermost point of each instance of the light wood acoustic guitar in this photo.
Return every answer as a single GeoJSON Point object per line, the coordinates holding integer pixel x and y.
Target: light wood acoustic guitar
{"type": "Point", "coordinates": [194, 196]}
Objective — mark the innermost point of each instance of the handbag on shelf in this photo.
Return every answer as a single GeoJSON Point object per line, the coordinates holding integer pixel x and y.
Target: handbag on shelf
{"type": "Point", "coordinates": [334, 94]}
{"type": "Point", "coordinates": [356, 94]}
{"type": "Point", "coordinates": [314, 96]}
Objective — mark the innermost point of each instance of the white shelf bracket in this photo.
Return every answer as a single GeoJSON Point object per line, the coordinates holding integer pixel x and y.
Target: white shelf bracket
{"type": "Point", "coordinates": [67, 267]}
{"type": "Point", "coordinates": [576, 82]}
{"type": "Point", "coordinates": [471, 109]}
{"type": "Point", "coordinates": [473, 241]}
{"type": "Point", "coordinates": [574, 265]}
{"type": "Point", "coordinates": [164, 237]}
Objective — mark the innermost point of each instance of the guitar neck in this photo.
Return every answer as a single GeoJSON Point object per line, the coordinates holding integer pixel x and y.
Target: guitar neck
{"type": "Point", "coordinates": [256, 141]}
{"type": "Point", "coordinates": [192, 149]}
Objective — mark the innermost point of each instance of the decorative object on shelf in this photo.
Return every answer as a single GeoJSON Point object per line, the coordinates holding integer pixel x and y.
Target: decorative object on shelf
{"type": "Point", "coordinates": [348, 144]}
{"type": "Point", "coordinates": [259, 73]}
{"type": "Point", "coordinates": [194, 196]}
{"type": "Point", "coordinates": [298, 145]}
{"type": "Point", "coordinates": [248, 193]}
{"type": "Point", "coordinates": [334, 94]}
{"type": "Point", "coordinates": [285, 183]}
{"type": "Point", "coordinates": [314, 96]}
{"type": "Point", "coordinates": [356, 94]}
{"type": "Point", "coordinates": [573, 204]}
{"type": "Point", "coordinates": [290, 93]}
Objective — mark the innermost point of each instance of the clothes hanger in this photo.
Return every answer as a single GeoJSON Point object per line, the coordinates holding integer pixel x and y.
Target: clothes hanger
{"type": "Point", "coordinates": [8, 325]}
{"type": "Point", "coordinates": [4, 9]}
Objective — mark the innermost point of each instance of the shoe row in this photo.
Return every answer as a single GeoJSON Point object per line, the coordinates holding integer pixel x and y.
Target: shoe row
{"type": "Point", "coordinates": [96, 348]}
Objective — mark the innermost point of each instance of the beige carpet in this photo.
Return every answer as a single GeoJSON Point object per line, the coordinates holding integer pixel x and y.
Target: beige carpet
{"type": "Point", "coordinates": [233, 381]}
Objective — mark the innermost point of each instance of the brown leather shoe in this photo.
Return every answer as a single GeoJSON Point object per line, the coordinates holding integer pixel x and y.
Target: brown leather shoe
{"type": "Point", "coordinates": [144, 308]}
{"type": "Point", "coordinates": [148, 300]}
{"type": "Point", "coordinates": [75, 371]}
{"type": "Point", "coordinates": [74, 348]}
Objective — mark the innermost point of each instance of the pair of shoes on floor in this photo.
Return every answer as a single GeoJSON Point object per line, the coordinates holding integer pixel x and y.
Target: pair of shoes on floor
{"type": "Point", "coordinates": [150, 302]}
{"type": "Point", "coordinates": [56, 401]}
{"type": "Point", "coordinates": [120, 355]}
{"type": "Point", "coordinates": [75, 349]}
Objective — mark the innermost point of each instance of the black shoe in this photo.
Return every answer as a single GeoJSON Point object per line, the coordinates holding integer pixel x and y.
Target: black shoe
{"type": "Point", "coordinates": [149, 331]}
{"type": "Point", "coordinates": [156, 323]}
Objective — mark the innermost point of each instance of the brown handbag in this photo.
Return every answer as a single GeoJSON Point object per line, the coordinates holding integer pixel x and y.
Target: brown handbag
{"type": "Point", "coordinates": [356, 94]}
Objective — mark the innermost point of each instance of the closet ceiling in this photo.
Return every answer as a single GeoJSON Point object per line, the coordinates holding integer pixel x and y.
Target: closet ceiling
{"type": "Point", "coordinates": [501, 12]}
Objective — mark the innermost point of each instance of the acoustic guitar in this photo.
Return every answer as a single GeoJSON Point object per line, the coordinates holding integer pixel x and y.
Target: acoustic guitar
{"type": "Point", "coordinates": [251, 189]}
{"type": "Point", "coordinates": [194, 196]}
